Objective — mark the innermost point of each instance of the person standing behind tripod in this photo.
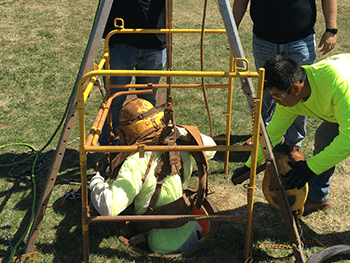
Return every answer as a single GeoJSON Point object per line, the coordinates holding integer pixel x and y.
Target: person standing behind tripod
{"type": "Point", "coordinates": [287, 28]}
{"type": "Point", "coordinates": [135, 51]}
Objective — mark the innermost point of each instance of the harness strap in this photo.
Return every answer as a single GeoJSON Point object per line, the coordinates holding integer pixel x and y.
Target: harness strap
{"type": "Point", "coordinates": [201, 160]}
{"type": "Point", "coordinates": [148, 167]}
{"type": "Point", "coordinates": [162, 170]}
{"type": "Point", "coordinates": [116, 163]}
{"type": "Point", "coordinates": [169, 164]}
{"type": "Point", "coordinates": [139, 117]}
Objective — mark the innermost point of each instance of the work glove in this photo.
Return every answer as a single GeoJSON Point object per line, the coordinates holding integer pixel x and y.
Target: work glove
{"type": "Point", "coordinates": [239, 171]}
{"type": "Point", "coordinates": [96, 180]}
{"type": "Point", "coordinates": [299, 175]}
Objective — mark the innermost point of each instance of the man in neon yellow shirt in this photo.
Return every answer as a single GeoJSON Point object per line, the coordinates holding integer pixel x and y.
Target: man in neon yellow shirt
{"type": "Point", "coordinates": [321, 90]}
{"type": "Point", "coordinates": [130, 186]}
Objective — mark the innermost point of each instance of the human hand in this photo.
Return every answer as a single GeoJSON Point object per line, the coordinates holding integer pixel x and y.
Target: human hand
{"type": "Point", "coordinates": [299, 175]}
{"type": "Point", "coordinates": [97, 178]}
{"type": "Point", "coordinates": [327, 42]}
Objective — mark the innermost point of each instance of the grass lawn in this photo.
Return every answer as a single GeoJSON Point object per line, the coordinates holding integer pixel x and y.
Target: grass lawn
{"type": "Point", "coordinates": [42, 45]}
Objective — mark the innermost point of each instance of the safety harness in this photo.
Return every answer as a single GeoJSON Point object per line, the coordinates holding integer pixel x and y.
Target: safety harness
{"type": "Point", "coordinates": [169, 163]}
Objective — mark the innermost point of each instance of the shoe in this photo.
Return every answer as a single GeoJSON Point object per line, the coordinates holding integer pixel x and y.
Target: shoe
{"type": "Point", "coordinates": [313, 206]}
{"type": "Point", "coordinates": [294, 152]}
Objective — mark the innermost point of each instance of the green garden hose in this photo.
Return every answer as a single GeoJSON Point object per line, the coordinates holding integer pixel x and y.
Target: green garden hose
{"type": "Point", "coordinates": [36, 153]}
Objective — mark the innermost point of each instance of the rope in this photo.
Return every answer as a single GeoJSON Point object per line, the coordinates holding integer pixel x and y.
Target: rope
{"type": "Point", "coordinates": [202, 68]}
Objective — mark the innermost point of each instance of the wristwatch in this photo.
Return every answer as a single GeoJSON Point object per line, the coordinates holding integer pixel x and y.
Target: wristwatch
{"type": "Point", "coordinates": [332, 30]}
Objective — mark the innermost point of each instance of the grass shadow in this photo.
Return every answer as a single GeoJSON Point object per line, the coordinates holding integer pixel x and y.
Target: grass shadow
{"type": "Point", "coordinates": [233, 156]}
{"type": "Point", "coordinates": [68, 239]}
{"type": "Point", "coordinates": [66, 244]}
{"type": "Point", "coordinates": [269, 228]}
{"type": "Point", "coordinates": [19, 176]}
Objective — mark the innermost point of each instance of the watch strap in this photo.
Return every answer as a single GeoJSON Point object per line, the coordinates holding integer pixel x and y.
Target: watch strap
{"type": "Point", "coordinates": [332, 30]}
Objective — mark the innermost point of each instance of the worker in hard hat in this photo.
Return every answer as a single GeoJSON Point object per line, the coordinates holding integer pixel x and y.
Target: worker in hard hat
{"type": "Point", "coordinates": [321, 90]}
{"type": "Point", "coordinates": [135, 181]}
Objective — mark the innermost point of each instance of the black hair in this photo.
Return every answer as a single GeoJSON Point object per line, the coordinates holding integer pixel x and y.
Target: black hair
{"type": "Point", "coordinates": [281, 72]}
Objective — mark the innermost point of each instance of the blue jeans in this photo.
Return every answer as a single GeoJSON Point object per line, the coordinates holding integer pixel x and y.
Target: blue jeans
{"type": "Point", "coordinates": [125, 57]}
{"type": "Point", "coordinates": [319, 184]}
{"type": "Point", "coordinates": [304, 53]}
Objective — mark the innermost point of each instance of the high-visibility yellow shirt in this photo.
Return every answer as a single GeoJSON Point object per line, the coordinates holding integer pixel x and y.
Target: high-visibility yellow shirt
{"type": "Point", "coordinates": [330, 101]}
{"type": "Point", "coordinates": [128, 187]}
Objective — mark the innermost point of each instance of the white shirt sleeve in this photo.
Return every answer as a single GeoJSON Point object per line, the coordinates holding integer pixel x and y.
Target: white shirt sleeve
{"type": "Point", "coordinates": [100, 194]}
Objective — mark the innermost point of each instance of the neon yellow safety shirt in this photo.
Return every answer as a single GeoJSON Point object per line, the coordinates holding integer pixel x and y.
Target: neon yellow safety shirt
{"type": "Point", "coordinates": [330, 101]}
{"type": "Point", "coordinates": [128, 187]}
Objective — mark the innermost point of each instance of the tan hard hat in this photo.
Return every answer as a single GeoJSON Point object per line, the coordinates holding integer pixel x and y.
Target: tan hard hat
{"type": "Point", "coordinates": [137, 117]}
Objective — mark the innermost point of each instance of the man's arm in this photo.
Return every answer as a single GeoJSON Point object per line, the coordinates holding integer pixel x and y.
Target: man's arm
{"type": "Point", "coordinates": [100, 193]}
{"type": "Point", "coordinates": [281, 120]}
{"type": "Point", "coordinates": [113, 199]}
{"type": "Point", "coordinates": [339, 149]}
{"type": "Point", "coordinates": [328, 40]}
{"type": "Point", "coordinates": [239, 8]}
